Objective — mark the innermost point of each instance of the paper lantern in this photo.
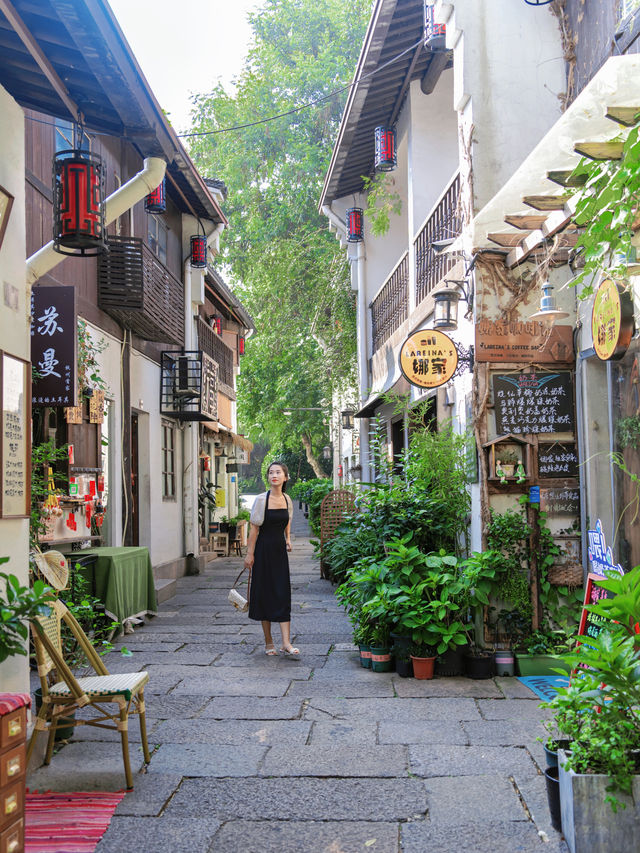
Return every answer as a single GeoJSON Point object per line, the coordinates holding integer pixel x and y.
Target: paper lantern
{"type": "Point", "coordinates": [198, 251]}
{"type": "Point", "coordinates": [156, 201]}
{"type": "Point", "coordinates": [355, 225]}
{"type": "Point", "coordinates": [78, 214]}
{"type": "Point", "coordinates": [385, 143]}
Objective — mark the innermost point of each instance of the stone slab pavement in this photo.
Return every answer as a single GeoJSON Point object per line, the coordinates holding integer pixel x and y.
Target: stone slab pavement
{"type": "Point", "coordinates": [254, 753]}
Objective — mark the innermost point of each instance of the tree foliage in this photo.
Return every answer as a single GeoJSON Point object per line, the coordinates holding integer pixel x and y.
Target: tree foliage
{"type": "Point", "coordinates": [287, 268]}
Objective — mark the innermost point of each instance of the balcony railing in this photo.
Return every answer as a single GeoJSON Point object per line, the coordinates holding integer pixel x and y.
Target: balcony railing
{"type": "Point", "coordinates": [214, 346]}
{"type": "Point", "coordinates": [390, 307]}
{"type": "Point", "coordinates": [139, 292]}
{"type": "Point", "coordinates": [444, 223]}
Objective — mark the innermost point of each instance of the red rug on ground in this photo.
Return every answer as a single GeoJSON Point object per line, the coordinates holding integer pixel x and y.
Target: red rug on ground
{"type": "Point", "coordinates": [67, 823]}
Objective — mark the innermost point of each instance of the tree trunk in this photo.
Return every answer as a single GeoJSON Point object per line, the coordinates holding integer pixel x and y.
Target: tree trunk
{"type": "Point", "coordinates": [311, 459]}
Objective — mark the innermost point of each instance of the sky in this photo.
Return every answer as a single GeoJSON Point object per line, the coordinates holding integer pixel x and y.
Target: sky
{"type": "Point", "coordinates": [176, 64]}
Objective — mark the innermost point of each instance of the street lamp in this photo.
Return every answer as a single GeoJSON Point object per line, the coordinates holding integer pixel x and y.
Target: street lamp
{"type": "Point", "coordinates": [326, 452]}
{"type": "Point", "coordinates": [445, 309]}
{"type": "Point", "coordinates": [347, 419]}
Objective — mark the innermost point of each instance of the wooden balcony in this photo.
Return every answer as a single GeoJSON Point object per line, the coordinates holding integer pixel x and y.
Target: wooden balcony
{"type": "Point", "coordinates": [221, 353]}
{"type": "Point", "coordinates": [139, 292]}
{"type": "Point", "coordinates": [443, 223]}
{"type": "Point", "coordinates": [390, 307]}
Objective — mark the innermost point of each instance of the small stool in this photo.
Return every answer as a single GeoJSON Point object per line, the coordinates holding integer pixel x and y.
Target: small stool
{"type": "Point", "coordinates": [219, 543]}
{"type": "Point", "coordinates": [235, 547]}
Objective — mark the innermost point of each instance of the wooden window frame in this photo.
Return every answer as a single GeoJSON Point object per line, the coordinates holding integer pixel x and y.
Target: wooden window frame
{"type": "Point", "coordinates": [168, 461]}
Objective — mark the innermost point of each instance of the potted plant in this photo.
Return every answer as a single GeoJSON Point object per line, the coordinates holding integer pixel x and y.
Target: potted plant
{"type": "Point", "coordinates": [508, 460]}
{"type": "Point", "coordinates": [18, 604]}
{"type": "Point", "coordinates": [402, 656]}
{"type": "Point", "coordinates": [541, 653]}
{"type": "Point", "coordinates": [380, 650]}
{"type": "Point", "coordinates": [362, 638]}
{"type": "Point", "coordinates": [599, 712]}
{"type": "Point", "coordinates": [423, 658]}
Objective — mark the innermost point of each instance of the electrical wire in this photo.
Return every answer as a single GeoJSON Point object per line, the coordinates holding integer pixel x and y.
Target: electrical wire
{"type": "Point", "coordinates": [309, 103]}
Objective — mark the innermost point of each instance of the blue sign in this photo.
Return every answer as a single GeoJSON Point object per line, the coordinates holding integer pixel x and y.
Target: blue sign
{"type": "Point", "coordinates": [600, 556]}
{"type": "Point", "coordinates": [534, 494]}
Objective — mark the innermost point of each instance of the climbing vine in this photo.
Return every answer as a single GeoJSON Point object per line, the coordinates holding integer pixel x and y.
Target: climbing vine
{"type": "Point", "coordinates": [383, 202]}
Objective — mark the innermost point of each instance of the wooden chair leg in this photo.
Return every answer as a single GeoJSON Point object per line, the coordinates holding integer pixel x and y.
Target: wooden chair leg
{"type": "Point", "coordinates": [42, 715]}
{"type": "Point", "coordinates": [143, 727]}
{"type": "Point", "coordinates": [124, 735]}
{"type": "Point", "coordinates": [51, 742]}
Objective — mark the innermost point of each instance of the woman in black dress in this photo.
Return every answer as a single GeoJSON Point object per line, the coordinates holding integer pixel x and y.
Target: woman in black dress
{"type": "Point", "coordinates": [267, 547]}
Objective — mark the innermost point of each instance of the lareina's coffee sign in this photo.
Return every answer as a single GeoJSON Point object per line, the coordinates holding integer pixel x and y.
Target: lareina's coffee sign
{"type": "Point", "coordinates": [428, 358]}
{"type": "Point", "coordinates": [611, 321]}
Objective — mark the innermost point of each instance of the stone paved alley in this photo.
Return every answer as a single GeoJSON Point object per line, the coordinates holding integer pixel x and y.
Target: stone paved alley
{"type": "Point", "coordinates": [251, 753]}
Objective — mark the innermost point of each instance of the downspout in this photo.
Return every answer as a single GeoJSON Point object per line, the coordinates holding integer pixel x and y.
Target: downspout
{"type": "Point", "coordinates": [147, 179]}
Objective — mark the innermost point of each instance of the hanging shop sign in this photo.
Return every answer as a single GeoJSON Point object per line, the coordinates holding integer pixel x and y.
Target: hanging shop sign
{"type": "Point", "coordinates": [557, 460]}
{"type": "Point", "coordinates": [611, 321]}
{"type": "Point", "coordinates": [560, 501]}
{"type": "Point", "coordinates": [523, 340]}
{"type": "Point", "coordinates": [600, 557]}
{"type": "Point", "coordinates": [428, 358]}
{"type": "Point", "coordinates": [53, 345]}
{"type": "Point", "coordinates": [96, 406]}
{"type": "Point", "coordinates": [533, 402]}
{"type": "Point", "coordinates": [15, 449]}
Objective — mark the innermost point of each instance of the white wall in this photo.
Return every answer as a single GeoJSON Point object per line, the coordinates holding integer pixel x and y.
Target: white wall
{"type": "Point", "coordinates": [14, 339]}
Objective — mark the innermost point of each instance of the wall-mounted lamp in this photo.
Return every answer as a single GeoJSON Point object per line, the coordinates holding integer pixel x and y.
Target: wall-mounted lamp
{"type": "Point", "coordinates": [326, 452]}
{"type": "Point", "coordinates": [445, 312]}
{"type": "Point", "coordinates": [347, 419]}
{"type": "Point", "coordinates": [549, 311]}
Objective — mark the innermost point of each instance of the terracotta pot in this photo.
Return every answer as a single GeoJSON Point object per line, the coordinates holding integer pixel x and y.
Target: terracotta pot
{"type": "Point", "coordinates": [423, 667]}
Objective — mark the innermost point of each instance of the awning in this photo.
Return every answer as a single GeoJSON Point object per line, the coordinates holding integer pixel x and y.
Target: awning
{"type": "Point", "coordinates": [211, 426]}
{"type": "Point", "coordinates": [536, 202]}
{"type": "Point", "coordinates": [369, 407]}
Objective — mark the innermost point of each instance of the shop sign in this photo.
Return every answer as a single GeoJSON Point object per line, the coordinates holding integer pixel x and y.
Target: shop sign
{"type": "Point", "coordinates": [428, 358]}
{"type": "Point", "coordinates": [523, 340]}
{"type": "Point", "coordinates": [611, 321]}
{"type": "Point", "coordinates": [600, 556]}
{"type": "Point", "coordinates": [209, 387]}
{"type": "Point", "coordinates": [557, 460]}
{"type": "Point", "coordinates": [53, 345]}
{"type": "Point", "coordinates": [533, 402]}
{"type": "Point", "coordinates": [590, 623]}
{"type": "Point", "coordinates": [560, 501]}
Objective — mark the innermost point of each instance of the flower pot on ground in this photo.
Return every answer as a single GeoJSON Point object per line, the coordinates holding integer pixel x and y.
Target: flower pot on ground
{"type": "Point", "coordinates": [599, 711]}
{"type": "Point", "coordinates": [478, 664]}
{"type": "Point", "coordinates": [553, 796]}
{"type": "Point", "coordinates": [541, 653]}
{"type": "Point", "coordinates": [404, 668]}
{"type": "Point", "coordinates": [362, 638]}
{"type": "Point", "coordinates": [451, 661]}
{"type": "Point", "coordinates": [400, 652]}
{"type": "Point", "coordinates": [551, 748]}
{"type": "Point", "coordinates": [423, 667]}
{"type": "Point", "coordinates": [540, 664]}
{"type": "Point", "coordinates": [365, 655]}
{"type": "Point", "coordinates": [504, 662]}
{"type": "Point", "coordinates": [381, 659]}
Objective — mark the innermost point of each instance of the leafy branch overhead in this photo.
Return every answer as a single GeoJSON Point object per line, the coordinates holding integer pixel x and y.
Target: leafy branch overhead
{"type": "Point", "coordinates": [608, 208]}
{"type": "Point", "coordinates": [383, 202]}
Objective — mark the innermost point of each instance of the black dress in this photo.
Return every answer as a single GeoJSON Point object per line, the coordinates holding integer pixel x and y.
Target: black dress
{"type": "Point", "coordinates": [270, 592]}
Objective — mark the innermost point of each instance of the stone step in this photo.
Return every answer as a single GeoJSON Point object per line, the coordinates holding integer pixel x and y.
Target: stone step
{"type": "Point", "coordinates": [166, 588]}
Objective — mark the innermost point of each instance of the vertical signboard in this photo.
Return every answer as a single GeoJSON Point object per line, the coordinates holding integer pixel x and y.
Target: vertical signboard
{"type": "Point", "coordinates": [53, 345]}
{"type": "Point", "coordinates": [15, 420]}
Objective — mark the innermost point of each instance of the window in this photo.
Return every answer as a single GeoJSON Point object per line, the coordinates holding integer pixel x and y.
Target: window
{"type": "Point", "coordinates": [168, 461]}
{"type": "Point", "coordinates": [157, 235]}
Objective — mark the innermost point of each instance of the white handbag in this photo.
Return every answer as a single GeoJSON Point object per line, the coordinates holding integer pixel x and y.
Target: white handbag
{"type": "Point", "coordinates": [235, 598]}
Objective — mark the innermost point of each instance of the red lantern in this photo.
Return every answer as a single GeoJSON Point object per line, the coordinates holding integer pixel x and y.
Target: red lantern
{"type": "Point", "coordinates": [216, 325]}
{"type": "Point", "coordinates": [339, 470]}
{"type": "Point", "coordinates": [355, 225]}
{"type": "Point", "coordinates": [78, 213]}
{"type": "Point", "coordinates": [240, 345]}
{"type": "Point", "coordinates": [156, 201]}
{"type": "Point", "coordinates": [434, 34]}
{"type": "Point", "coordinates": [198, 251]}
{"type": "Point", "coordinates": [386, 158]}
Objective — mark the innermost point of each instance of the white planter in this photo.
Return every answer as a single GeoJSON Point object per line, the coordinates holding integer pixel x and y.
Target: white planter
{"type": "Point", "coordinates": [589, 825]}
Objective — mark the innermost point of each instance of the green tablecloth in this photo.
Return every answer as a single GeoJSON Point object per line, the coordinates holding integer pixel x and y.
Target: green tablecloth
{"type": "Point", "coordinates": [123, 581]}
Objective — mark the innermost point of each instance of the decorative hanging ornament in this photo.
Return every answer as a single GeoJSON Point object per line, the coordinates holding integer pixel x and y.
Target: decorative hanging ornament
{"type": "Point", "coordinates": [198, 251]}
{"type": "Point", "coordinates": [78, 211]}
{"type": "Point", "coordinates": [240, 345]}
{"type": "Point", "coordinates": [355, 225]}
{"type": "Point", "coordinates": [216, 325]}
{"type": "Point", "coordinates": [156, 201]}
{"type": "Point", "coordinates": [385, 141]}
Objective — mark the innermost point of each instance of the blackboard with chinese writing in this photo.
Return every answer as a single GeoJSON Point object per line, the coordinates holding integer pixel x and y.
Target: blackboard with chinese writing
{"type": "Point", "coordinates": [533, 402]}
{"type": "Point", "coordinates": [560, 501]}
{"type": "Point", "coordinates": [557, 460]}
{"type": "Point", "coordinates": [590, 623]}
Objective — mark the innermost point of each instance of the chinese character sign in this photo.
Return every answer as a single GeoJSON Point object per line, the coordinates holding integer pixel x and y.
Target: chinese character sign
{"type": "Point", "coordinates": [557, 460]}
{"type": "Point", "coordinates": [611, 321]}
{"type": "Point", "coordinates": [15, 441]}
{"type": "Point", "coordinates": [600, 556]}
{"type": "Point", "coordinates": [53, 345]}
{"type": "Point", "coordinates": [428, 358]}
{"type": "Point", "coordinates": [533, 402]}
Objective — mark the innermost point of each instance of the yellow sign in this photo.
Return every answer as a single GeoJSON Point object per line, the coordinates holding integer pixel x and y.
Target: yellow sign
{"type": "Point", "coordinates": [428, 358]}
{"type": "Point", "coordinates": [611, 321]}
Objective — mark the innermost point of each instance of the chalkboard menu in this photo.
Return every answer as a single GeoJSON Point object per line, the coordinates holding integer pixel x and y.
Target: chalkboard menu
{"type": "Point", "coordinates": [560, 501]}
{"type": "Point", "coordinates": [15, 420]}
{"type": "Point", "coordinates": [557, 460]}
{"type": "Point", "coordinates": [590, 623]}
{"type": "Point", "coordinates": [533, 402]}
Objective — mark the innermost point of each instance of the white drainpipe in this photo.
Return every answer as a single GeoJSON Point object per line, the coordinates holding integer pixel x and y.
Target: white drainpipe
{"type": "Point", "coordinates": [122, 199]}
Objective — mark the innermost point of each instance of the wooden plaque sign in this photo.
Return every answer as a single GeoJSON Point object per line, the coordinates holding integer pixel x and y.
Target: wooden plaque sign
{"type": "Point", "coordinates": [560, 501]}
{"type": "Point", "coordinates": [533, 402]}
{"type": "Point", "coordinates": [525, 340]}
{"type": "Point", "coordinates": [557, 460]}
{"type": "Point", "coordinates": [96, 407]}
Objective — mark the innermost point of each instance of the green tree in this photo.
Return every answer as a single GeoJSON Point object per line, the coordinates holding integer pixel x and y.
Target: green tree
{"type": "Point", "coordinates": [288, 269]}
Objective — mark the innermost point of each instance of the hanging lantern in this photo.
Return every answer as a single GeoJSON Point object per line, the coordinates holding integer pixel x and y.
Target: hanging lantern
{"type": "Point", "coordinates": [355, 225]}
{"type": "Point", "coordinates": [156, 201]}
{"type": "Point", "coordinates": [198, 251]}
{"type": "Point", "coordinates": [240, 345]}
{"type": "Point", "coordinates": [386, 158]}
{"type": "Point", "coordinates": [435, 35]}
{"type": "Point", "coordinates": [347, 419]}
{"type": "Point", "coordinates": [216, 325]}
{"type": "Point", "coordinates": [78, 214]}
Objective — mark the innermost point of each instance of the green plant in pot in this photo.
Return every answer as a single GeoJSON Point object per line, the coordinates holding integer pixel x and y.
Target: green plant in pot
{"type": "Point", "coordinates": [541, 653]}
{"type": "Point", "coordinates": [18, 604]}
{"type": "Point", "coordinates": [599, 712]}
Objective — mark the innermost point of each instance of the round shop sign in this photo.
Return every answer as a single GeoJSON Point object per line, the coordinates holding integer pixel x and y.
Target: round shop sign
{"type": "Point", "coordinates": [611, 321]}
{"type": "Point", "coordinates": [428, 358]}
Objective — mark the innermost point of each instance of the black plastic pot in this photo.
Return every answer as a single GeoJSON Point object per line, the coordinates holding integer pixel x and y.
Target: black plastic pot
{"type": "Point", "coordinates": [404, 668]}
{"type": "Point", "coordinates": [451, 662]}
{"type": "Point", "coordinates": [478, 666]}
{"type": "Point", "coordinates": [551, 754]}
{"type": "Point", "coordinates": [553, 796]}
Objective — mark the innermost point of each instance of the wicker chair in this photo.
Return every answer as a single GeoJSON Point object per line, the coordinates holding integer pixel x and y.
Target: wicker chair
{"type": "Point", "coordinates": [65, 694]}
